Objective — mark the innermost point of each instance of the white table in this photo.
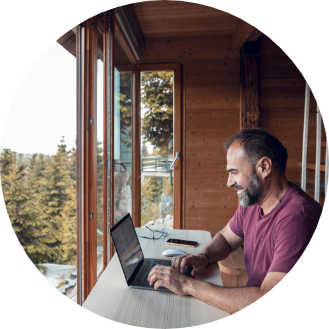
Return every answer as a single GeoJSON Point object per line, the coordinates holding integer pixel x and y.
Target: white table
{"type": "Point", "coordinates": [111, 298]}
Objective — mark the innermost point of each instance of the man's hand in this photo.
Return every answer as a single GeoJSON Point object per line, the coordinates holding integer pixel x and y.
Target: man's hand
{"type": "Point", "coordinates": [199, 263]}
{"type": "Point", "coordinates": [168, 277]}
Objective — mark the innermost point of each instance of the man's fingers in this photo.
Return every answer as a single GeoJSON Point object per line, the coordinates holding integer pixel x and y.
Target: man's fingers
{"type": "Point", "coordinates": [186, 261]}
{"type": "Point", "coordinates": [154, 269]}
{"type": "Point", "coordinates": [158, 273]}
{"type": "Point", "coordinates": [176, 261]}
{"type": "Point", "coordinates": [158, 284]}
{"type": "Point", "coordinates": [197, 270]}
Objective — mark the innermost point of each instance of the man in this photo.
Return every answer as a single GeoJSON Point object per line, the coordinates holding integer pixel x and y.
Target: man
{"type": "Point", "coordinates": [275, 222]}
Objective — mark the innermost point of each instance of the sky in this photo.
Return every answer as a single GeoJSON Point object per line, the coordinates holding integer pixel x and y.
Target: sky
{"type": "Point", "coordinates": [44, 108]}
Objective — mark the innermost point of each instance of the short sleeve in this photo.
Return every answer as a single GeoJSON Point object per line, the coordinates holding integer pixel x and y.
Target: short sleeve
{"type": "Point", "coordinates": [291, 237]}
{"type": "Point", "coordinates": [236, 223]}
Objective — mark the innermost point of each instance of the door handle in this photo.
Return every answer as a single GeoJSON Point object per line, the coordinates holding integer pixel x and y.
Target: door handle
{"type": "Point", "coordinates": [176, 157]}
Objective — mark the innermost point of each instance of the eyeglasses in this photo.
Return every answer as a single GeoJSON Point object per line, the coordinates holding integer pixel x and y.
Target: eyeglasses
{"type": "Point", "coordinates": [162, 234]}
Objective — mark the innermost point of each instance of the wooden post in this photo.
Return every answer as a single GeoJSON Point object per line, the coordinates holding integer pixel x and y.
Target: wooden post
{"type": "Point", "coordinates": [249, 90]}
{"type": "Point", "coordinates": [106, 137]}
{"type": "Point", "coordinates": [305, 136]}
{"type": "Point", "coordinates": [318, 156]}
{"type": "Point", "coordinates": [80, 155]}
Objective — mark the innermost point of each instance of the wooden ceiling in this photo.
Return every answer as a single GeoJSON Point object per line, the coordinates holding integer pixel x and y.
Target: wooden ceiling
{"type": "Point", "coordinates": [170, 19]}
{"type": "Point", "coordinates": [180, 19]}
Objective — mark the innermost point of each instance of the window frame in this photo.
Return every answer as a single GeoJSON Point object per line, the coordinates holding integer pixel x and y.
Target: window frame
{"type": "Point", "coordinates": [111, 21]}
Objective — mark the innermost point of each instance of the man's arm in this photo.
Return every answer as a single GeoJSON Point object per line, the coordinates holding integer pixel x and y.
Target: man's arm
{"type": "Point", "coordinates": [223, 243]}
{"type": "Point", "coordinates": [230, 300]}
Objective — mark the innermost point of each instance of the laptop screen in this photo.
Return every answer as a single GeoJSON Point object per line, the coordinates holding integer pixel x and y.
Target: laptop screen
{"type": "Point", "coordinates": [127, 245]}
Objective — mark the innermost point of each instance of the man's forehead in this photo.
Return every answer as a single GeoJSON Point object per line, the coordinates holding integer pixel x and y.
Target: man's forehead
{"type": "Point", "coordinates": [236, 152]}
{"type": "Point", "coordinates": [236, 156]}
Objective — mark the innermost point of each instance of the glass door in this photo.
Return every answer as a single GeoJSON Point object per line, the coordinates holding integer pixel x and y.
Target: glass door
{"type": "Point", "coordinates": [160, 147]}
{"type": "Point", "coordinates": [123, 130]}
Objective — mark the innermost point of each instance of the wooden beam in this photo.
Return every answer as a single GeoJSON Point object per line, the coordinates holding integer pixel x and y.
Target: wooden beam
{"type": "Point", "coordinates": [138, 29]}
{"type": "Point", "coordinates": [311, 165]}
{"type": "Point", "coordinates": [254, 36]}
{"type": "Point", "coordinates": [249, 89]}
{"type": "Point", "coordinates": [241, 34]}
{"type": "Point", "coordinates": [67, 41]}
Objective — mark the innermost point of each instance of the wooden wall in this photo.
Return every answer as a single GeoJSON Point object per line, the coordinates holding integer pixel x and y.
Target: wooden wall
{"type": "Point", "coordinates": [212, 94]}
{"type": "Point", "coordinates": [282, 97]}
{"type": "Point", "coordinates": [212, 77]}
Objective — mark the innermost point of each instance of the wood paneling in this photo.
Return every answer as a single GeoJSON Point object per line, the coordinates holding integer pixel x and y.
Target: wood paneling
{"type": "Point", "coordinates": [212, 77]}
{"type": "Point", "coordinates": [282, 97]}
{"type": "Point", "coordinates": [212, 100]}
{"type": "Point", "coordinates": [178, 18]}
{"type": "Point", "coordinates": [190, 48]}
{"type": "Point", "coordinates": [242, 32]}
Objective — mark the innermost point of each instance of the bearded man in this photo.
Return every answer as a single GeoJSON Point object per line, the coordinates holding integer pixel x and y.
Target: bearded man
{"type": "Point", "coordinates": [275, 222]}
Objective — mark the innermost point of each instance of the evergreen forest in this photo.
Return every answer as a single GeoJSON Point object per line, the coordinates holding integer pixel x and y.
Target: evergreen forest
{"type": "Point", "coordinates": [40, 190]}
{"type": "Point", "coordinates": [40, 197]}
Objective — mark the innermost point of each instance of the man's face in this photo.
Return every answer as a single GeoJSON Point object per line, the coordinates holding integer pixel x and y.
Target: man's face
{"type": "Point", "coordinates": [242, 176]}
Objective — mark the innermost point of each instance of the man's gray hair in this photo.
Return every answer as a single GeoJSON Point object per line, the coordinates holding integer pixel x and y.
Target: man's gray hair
{"type": "Point", "coordinates": [257, 143]}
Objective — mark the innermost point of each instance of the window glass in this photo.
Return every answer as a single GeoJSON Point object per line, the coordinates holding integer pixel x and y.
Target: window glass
{"type": "Point", "coordinates": [38, 164]}
{"type": "Point", "coordinates": [123, 106]}
{"type": "Point", "coordinates": [157, 149]}
{"type": "Point", "coordinates": [100, 147]}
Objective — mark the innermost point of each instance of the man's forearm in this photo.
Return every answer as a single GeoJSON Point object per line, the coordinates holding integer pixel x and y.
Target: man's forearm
{"type": "Point", "coordinates": [218, 248]}
{"type": "Point", "coordinates": [230, 300]}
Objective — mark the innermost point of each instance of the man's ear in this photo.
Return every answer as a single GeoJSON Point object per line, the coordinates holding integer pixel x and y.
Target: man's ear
{"type": "Point", "coordinates": [265, 166]}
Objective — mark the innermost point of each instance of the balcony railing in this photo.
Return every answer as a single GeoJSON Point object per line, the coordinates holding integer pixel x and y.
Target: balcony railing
{"type": "Point", "coordinates": [157, 163]}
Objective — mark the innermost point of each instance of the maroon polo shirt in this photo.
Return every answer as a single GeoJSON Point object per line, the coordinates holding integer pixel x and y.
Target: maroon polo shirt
{"type": "Point", "coordinates": [274, 242]}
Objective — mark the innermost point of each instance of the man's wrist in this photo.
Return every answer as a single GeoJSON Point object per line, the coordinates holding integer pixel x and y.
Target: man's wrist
{"type": "Point", "coordinates": [206, 255]}
{"type": "Point", "coordinates": [190, 286]}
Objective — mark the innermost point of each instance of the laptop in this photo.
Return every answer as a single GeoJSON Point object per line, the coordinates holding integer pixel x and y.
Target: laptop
{"type": "Point", "coordinates": [134, 266]}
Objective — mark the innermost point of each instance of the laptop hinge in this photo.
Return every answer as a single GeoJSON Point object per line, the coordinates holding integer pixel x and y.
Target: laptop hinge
{"type": "Point", "coordinates": [135, 272]}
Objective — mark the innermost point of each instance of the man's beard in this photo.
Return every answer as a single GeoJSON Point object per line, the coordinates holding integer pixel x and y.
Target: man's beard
{"type": "Point", "coordinates": [251, 193]}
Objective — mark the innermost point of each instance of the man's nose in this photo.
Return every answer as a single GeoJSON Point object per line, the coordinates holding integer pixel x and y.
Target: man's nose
{"type": "Point", "coordinates": [230, 180]}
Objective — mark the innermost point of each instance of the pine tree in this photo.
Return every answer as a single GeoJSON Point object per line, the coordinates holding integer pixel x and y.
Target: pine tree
{"type": "Point", "coordinates": [69, 242]}
{"type": "Point", "coordinates": [36, 169]}
{"type": "Point", "coordinates": [23, 202]}
{"type": "Point", "coordinates": [7, 160]}
{"type": "Point", "coordinates": [60, 196]}
{"type": "Point", "coordinates": [72, 157]}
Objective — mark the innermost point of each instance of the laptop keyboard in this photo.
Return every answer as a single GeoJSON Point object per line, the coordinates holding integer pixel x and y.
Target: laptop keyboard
{"type": "Point", "coordinates": [145, 270]}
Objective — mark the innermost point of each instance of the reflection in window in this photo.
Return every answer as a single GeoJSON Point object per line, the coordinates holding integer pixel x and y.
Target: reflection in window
{"type": "Point", "coordinates": [123, 105]}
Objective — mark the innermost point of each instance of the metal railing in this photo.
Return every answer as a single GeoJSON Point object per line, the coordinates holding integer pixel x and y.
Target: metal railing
{"type": "Point", "coordinates": [157, 163]}
{"type": "Point", "coordinates": [317, 181]}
